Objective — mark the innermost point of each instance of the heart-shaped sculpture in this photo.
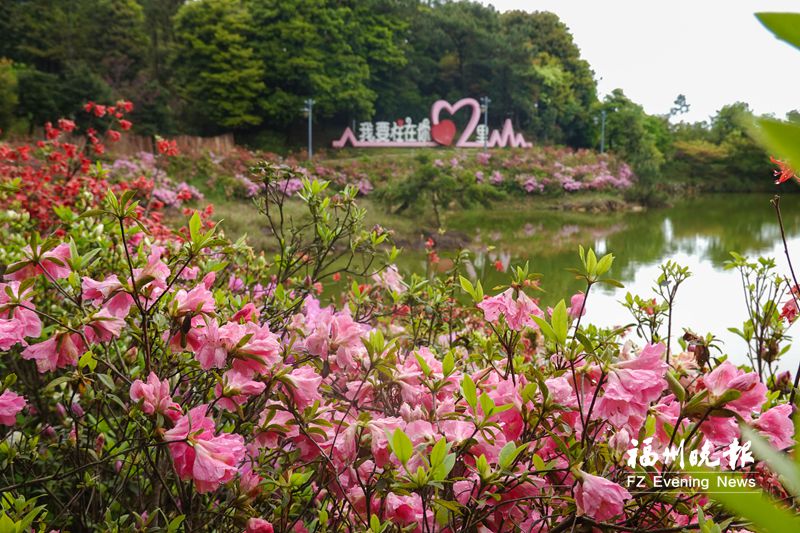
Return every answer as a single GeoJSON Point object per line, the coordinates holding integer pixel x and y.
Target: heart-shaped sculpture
{"type": "Point", "coordinates": [444, 105]}
{"type": "Point", "coordinates": [443, 132]}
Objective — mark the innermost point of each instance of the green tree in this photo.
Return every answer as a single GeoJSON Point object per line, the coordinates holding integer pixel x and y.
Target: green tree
{"type": "Point", "coordinates": [631, 135]}
{"type": "Point", "coordinates": [216, 69]}
{"type": "Point", "coordinates": [546, 84]}
{"type": "Point", "coordinates": [8, 94]}
{"type": "Point", "coordinates": [323, 49]}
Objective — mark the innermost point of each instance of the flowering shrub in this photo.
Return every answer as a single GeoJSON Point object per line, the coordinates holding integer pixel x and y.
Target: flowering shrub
{"type": "Point", "coordinates": [178, 380]}
{"type": "Point", "coordinates": [46, 182]}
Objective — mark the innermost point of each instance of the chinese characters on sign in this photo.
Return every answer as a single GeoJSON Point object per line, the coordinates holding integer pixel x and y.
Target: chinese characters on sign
{"type": "Point", "coordinates": [433, 132]}
{"type": "Point", "coordinates": [735, 453]}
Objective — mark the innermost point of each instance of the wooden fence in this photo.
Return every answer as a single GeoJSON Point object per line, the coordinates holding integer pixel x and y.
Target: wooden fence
{"type": "Point", "coordinates": [131, 144]}
{"type": "Point", "coordinates": [187, 144]}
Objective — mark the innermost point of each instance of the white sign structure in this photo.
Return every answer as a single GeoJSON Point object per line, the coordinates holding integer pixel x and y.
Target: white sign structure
{"type": "Point", "coordinates": [433, 132]}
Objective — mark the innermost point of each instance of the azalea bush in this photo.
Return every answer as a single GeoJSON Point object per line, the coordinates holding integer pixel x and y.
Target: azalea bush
{"type": "Point", "coordinates": [166, 381]}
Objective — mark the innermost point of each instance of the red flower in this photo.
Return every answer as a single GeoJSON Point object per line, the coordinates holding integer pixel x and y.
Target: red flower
{"type": "Point", "coordinates": [783, 172]}
{"type": "Point", "coordinates": [168, 148]}
{"type": "Point", "coordinates": [88, 106]}
{"type": "Point", "coordinates": [498, 265]}
{"type": "Point", "coordinates": [99, 110]}
{"type": "Point", "coordinates": [66, 125]}
{"type": "Point", "coordinates": [125, 124]}
{"type": "Point", "coordinates": [114, 136]}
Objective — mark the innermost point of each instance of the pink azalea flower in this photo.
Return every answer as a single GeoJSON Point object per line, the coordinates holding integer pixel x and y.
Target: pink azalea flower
{"type": "Point", "coordinates": [258, 525]}
{"type": "Point", "coordinates": [390, 279]}
{"type": "Point", "coordinates": [631, 386]}
{"type": "Point", "coordinates": [776, 424]}
{"type": "Point", "coordinates": [600, 498]}
{"type": "Point", "coordinates": [248, 313]}
{"type": "Point", "coordinates": [258, 354]}
{"type": "Point", "coordinates": [16, 323]}
{"type": "Point", "coordinates": [53, 263]}
{"type": "Point", "coordinates": [335, 337]}
{"type": "Point", "coordinates": [198, 454]}
{"type": "Point", "coordinates": [103, 327]}
{"type": "Point", "coordinates": [404, 510]}
{"type": "Point", "coordinates": [11, 404]}
{"type": "Point", "coordinates": [197, 300]}
{"type": "Point", "coordinates": [517, 313]}
{"type": "Point", "coordinates": [727, 377]}
{"type": "Point", "coordinates": [305, 386]}
{"type": "Point", "coordinates": [213, 346]}
{"type": "Point", "coordinates": [576, 305]}
{"type": "Point", "coordinates": [59, 351]}
{"type": "Point", "coordinates": [236, 389]}
{"type": "Point", "coordinates": [109, 293]}
{"type": "Point", "coordinates": [155, 397]}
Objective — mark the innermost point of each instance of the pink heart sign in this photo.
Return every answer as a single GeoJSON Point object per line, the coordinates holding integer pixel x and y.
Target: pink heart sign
{"type": "Point", "coordinates": [444, 105]}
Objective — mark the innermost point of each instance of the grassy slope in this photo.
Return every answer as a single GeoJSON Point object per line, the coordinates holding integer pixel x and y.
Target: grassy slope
{"type": "Point", "coordinates": [410, 227]}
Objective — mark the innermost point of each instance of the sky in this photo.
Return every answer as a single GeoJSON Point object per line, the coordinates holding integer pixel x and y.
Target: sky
{"type": "Point", "coordinates": [713, 51]}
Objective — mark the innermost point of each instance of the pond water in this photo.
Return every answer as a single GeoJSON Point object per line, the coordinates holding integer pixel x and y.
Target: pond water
{"type": "Point", "coordinates": [698, 233]}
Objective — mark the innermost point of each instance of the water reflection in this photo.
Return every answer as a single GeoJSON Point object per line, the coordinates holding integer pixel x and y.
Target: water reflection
{"type": "Point", "coordinates": [698, 233]}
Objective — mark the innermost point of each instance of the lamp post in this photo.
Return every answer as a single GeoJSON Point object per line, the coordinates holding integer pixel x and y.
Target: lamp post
{"type": "Point", "coordinates": [485, 101]}
{"type": "Point", "coordinates": [308, 112]}
{"type": "Point", "coordinates": [602, 131]}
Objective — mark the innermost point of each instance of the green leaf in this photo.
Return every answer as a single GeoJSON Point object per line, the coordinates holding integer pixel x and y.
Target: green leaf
{"type": "Point", "coordinates": [778, 462]}
{"type": "Point", "coordinates": [87, 360]}
{"type": "Point", "coordinates": [469, 391]}
{"type": "Point", "coordinates": [545, 328]}
{"type": "Point", "coordinates": [467, 286]}
{"type": "Point", "coordinates": [753, 505]}
{"type": "Point", "coordinates": [560, 322]}
{"type": "Point", "coordinates": [175, 523]}
{"type": "Point", "coordinates": [604, 264]}
{"type": "Point", "coordinates": [438, 452]}
{"type": "Point", "coordinates": [401, 446]}
{"type": "Point", "coordinates": [448, 364]}
{"type": "Point", "coordinates": [195, 224]}
{"type": "Point", "coordinates": [675, 386]}
{"type": "Point", "coordinates": [785, 26]}
{"type": "Point", "coordinates": [782, 139]}
{"type": "Point", "coordinates": [508, 454]}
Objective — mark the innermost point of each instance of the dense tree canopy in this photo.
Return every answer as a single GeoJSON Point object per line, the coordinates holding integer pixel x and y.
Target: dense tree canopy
{"type": "Point", "coordinates": [209, 66]}
{"type": "Point", "coordinates": [215, 65]}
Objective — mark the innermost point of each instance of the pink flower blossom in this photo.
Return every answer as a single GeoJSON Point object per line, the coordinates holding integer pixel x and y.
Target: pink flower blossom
{"type": "Point", "coordinates": [727, 377]}
{"type": "Point", "coordinates": [236, 388]}
{"type": "Point", "coordinates": [208, 459]}
{"type": "Point", "coordinates": [103, 327]}
{"type": "Point", "coordinates": [258, 354]}
{"type": "Point", "coordinates": [11, 404]}
{"type": "Point", "coordinates": [258, 525]}
{"type": "Point", "coordinates": [59, 351]}
{"type": "Point", "coordinates": [53, 263]}
{"type": "Point", "coordinates": [109, 293]}
{"type": "Point", "coordinates": [18, 319]}
{"type": "Point", "coordinates": [305, 386]}
{"type": "Point", "coordinates": [155, 397]}
{"type": "Point", "coordinates": [776, 424]}
{"type": "Point", "coordinates": [248, 313]}
{"type": "Point", "coordinates": [517, 313]}
{"type": "Point", "coordinates": [576, 305]}
{"type": "Point", "coordinates": [197, 300]}
{"type": "Point", "coordinates": [600, 498]}
{"type": "Point", "coordinates": [631, 386]}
